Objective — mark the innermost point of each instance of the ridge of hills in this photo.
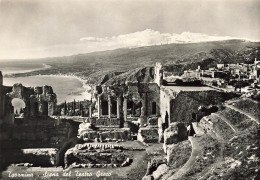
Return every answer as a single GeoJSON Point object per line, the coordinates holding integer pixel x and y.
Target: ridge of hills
{"type": "Point", "coordinates": [109, 66]}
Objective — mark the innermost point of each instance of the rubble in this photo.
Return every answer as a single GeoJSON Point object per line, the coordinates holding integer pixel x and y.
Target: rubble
{"type": "Point", "coordinates": [161, 169]}
{"type": "Point", "coordinates": [100, 155]}
{"type": "Point", "coordinates": [177, 132]}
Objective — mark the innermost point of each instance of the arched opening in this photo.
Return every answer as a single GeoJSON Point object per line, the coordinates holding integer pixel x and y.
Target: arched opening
{"type": "Point", "coordinates": [36, 108]}
{"type": "Point", "coordinates": [138, 109]}
{"type": "Point", "coordinates": [191, 131]}
{"type": "Point", "coordinates": [104, 106]}
{"type": "Point", "coordinates": [194, 116]}
{"type": "Point", "coordinates": [166, 120]}
{"type": "Point", "coordinates": [153, 108]}
{"type": "Point", "coordinates": [130, 107]}
{"type": "Point", "coordinates": [44, 108]}
{"type": "Point", "coordinates": [113, 107]}
{"type": "Point", "coordinates": [19, 106]}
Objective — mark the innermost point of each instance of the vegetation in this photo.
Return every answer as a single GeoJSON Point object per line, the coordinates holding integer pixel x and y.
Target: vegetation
{"type": "Point", "coordinates": [240, 121]}
{"type": "Point", "coordinates": [222, 128]}
{"type": "Point", "coordinates": [179, 154]}
{"type": "Point", "coordinates": [210, 151]}
{"type": "Point", "coordinates": [175, 57]}
{"type": "Point", "coordinates": [249, 106]}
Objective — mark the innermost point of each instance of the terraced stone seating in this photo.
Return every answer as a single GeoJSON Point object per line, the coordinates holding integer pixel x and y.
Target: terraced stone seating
{"type": "Point", "coordinates": [239, 120]}
{"type": "Point", "coordinates": [249, 106]}
{"type": "Point", "coordinates": [231, 149]}
{"type": "Point", "coordinates": [222, 128]}
{"type": "Point", "coordinates": [210, 150]}
{"type": "Point", "coordinates": [240, 158]}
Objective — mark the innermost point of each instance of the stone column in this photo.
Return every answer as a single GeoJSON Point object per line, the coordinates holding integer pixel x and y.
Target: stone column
{"type": "Point", "coordinates": [133, 109]}
{"type": "Point", "coordinates": [118, 107]}
{"type": "Point", "coordinates": [144, 105]}
{"type": "Point", "coordinates": [125, 108]}
{"type": "Point", "coordinates": [90, 111]}
{"type": "Point", "coordinates": [143, 117]}
{"type": "Point", "coordinates": [99, 108]}
{"type": "Point", "coordinates": [109, 107]}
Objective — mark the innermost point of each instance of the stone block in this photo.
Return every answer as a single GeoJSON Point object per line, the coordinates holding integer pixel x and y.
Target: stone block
{"type": "Point", "coordinates": [160, 171]}
{"type": "Point", "coordinates": [40, 157]}
{"type": "Point", "coordinates": [177, 132]}
{"type": "Point", "coordinates": [148, 135]}
{"type": "Point", "coordinates": [96, 156]}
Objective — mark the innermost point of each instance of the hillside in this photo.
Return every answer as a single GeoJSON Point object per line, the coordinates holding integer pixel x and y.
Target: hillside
{"type": "Point", "coordinates": [226, 146]}
{"type": "Point", "coordinates": [175, 57]}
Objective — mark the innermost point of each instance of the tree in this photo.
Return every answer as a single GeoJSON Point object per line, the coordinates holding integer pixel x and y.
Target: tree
{"type": "Point", "coordinates": [74, 107]}
{"type": "Point", "coordinates": [65, 108]}
{"type": "Point", "coordinates": [240, 84]}
{"type": "Point", "coordinates": [21, 110]}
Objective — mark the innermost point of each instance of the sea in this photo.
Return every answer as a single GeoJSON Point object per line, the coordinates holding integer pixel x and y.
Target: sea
{"type": "Point", "coordinates": [67, 88]}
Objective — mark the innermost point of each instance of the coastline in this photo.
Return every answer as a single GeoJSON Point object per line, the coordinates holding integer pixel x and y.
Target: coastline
{"type": "Point", "coordinates": [10, 74]}
{"type": "Point", "coordinates": [84, 82]}
{"type": "Point", "coordinates": [79, 92]}
{"type": "Point", "coordinates": [85, 86]}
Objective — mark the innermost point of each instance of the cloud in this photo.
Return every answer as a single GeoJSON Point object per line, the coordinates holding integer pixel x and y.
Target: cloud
{"type": "Point", "coordinates": [147, 37]}
{"type": "Point", "coordinates": [151, 37]}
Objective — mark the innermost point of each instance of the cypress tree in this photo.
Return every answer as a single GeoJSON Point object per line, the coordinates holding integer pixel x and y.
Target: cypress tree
{"type": "Point", "coordinates": [65, 108]}
{"type": "Point", "coordinates": [74, 106]}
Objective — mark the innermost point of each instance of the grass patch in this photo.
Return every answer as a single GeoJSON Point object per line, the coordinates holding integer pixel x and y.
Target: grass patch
{"type": "Point", "coordinates": [210, 150]}
{"type": "Point", "coordinates": [178, 154]}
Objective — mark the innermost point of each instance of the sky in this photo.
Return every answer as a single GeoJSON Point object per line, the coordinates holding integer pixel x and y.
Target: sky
{"type": "Point", "coordinates": [44, 28]}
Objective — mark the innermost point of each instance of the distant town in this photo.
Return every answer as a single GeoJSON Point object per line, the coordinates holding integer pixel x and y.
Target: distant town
{"type": "Point", "coordinates": [241, 77]}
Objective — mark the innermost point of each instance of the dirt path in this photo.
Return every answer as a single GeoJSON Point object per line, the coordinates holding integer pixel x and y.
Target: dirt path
{"type": "Point", "coordinates": [243, 112]}
{"type": "Point", "coordinates": [195, 151]}
{"type": "Point", "coordinates": [219, 159]}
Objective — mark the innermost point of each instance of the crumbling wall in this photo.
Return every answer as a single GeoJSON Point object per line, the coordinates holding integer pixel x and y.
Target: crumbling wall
{"type": "Point", "coordinates": [43, 157]}
{"type": "Point", "coordinates": [186, 106]}
{"type": "Point", "coordinates": [105, 122]}
{"type": "Point", "coordinates": [96, 155]}
{"type": "Point", "coordinates": [153, 96]}
{"type": "Point", "coordinates": [39, 101]}
{"type": "Point", "coordinates": [158, 74]}
{"type": "Point", "coordinates": [122, 134]}
{"type": "Point", "coordinates": [40, 133]}
{"type": "Point", "coordinates": [175, 133]}
{"type": "Point", "coordinates": [148, 135]}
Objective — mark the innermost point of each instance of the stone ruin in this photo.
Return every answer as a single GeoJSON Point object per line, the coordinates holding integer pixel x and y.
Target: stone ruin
{"type": "Point", "coordinates": [89, 133]}
{"type": "Point", "coordinates": [39, 101]}
{"type": "Point", "coordinates": [96, 155]}
{"type": "Point", "coordinates": [145, 111]}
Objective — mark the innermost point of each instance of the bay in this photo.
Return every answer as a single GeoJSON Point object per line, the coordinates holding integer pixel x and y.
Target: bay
{"type": "Point", "coordinates": [66, 87]}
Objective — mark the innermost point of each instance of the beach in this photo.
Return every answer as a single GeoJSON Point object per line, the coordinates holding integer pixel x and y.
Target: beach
{"type": "Point", "coordinates": [14, 68]}
{"type": "Point", "coordinates": [66, 87]}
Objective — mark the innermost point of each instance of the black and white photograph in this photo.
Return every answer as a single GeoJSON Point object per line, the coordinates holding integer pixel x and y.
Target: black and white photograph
{"type": "Point", "coordinates": [130, 89]}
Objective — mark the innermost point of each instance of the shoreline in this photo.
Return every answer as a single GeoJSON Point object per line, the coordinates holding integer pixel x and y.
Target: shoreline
{"type": "Point", "coordinates": [84, 82]}
{"type": "Point", "coordinates": [10, 74]}
{"type": "Point", "coordinates": [86, 88]}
